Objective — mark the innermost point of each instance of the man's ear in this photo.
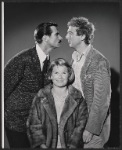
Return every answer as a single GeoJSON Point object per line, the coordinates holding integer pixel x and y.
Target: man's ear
{"type": "Point", "coordinates": [83, 37]}
{"type": "Point", "coordinates": [45, 38]}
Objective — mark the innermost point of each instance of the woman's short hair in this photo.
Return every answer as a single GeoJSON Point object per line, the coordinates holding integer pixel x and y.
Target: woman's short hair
{"type": "Point", "coordinates": [62, 62]}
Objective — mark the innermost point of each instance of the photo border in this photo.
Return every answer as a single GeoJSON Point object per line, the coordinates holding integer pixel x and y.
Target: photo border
{"type": "Point", "coordinates": [2, 52]}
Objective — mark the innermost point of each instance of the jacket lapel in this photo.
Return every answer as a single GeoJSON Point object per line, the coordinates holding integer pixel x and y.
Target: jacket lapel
{"type": "Point", "coordinates": [69, 106]}
{"type": "Point", "coordinates": [36, 62]}
{"type": "Point", "coordinates": [49, 105]}
{"type": "Point", "coordinates": [68, 109]}
{"type": "Point", "coordinates": [85, 66]}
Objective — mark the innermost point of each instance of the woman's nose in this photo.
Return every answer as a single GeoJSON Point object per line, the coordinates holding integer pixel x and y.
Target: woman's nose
{"type": "Point", "coordinates": [60, 76]}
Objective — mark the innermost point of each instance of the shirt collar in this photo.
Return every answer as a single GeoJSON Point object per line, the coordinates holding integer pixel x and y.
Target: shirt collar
{"type": "Point", "coordinates": [76, 56]}
{"type": "Point", "coordinates": [41, 54]}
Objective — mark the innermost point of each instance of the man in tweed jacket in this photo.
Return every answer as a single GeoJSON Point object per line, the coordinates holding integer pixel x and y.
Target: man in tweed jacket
{"type": "Point", "coordinates": [92, 78]}
{"type": "Point", "coordinates": [24, 75]}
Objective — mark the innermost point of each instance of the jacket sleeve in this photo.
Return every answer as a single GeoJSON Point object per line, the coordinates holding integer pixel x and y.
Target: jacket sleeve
{"type": "Point", "coordinates": [101, 100]}
{"type": "Point", "coordinates": [34, 124]}
{"type": "Point", "coordinates": [13, 73]}
{"type": "Point", "coordinates": [76, 140]}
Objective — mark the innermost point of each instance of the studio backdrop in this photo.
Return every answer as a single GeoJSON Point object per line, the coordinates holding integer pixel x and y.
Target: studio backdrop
{"type": "Point", "coordinates": [21, 19]}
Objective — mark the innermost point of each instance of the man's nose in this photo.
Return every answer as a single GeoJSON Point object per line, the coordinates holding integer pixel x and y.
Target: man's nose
{"type": "Point", "coordinates": [61, 38]}
{"type": "Point", "coordinates": [66, 36]}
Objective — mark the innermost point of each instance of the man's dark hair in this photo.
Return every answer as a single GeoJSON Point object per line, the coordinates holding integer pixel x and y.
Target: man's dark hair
{"type": "Point", "coordinates": [43, 29]}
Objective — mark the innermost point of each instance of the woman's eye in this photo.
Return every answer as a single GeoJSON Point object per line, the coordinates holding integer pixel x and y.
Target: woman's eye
{"type": "Point", "coordinates": [56, 72]}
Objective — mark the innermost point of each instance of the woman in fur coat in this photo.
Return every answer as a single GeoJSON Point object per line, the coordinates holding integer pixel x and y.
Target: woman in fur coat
{"type": "Point", "coordinates": [59, 112]}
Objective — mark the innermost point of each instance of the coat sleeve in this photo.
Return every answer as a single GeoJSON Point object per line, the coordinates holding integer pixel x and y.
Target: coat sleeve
{"type": "Point", "coordinates": [34, 124]}
{"type": "Point", "coordinates": [76, 140]}
{"type": "Point", "coordinates": [13, 73]}
{"type": "Point", "coordinates": [101, 99]}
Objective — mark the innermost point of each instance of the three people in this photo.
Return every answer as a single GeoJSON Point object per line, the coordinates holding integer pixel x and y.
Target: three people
{"type": "Point", "coordinates": [92, 78]}
{"type": "Point", "coordinates": [24, 75]}
{"type": "Point", "coordinates": [59, 112]}
{"type": "Point", "coordinates": [58, 116]}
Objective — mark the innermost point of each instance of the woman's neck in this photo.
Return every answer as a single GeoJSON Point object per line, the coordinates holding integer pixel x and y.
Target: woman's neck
{"type": "Point", "coordinates": [60, 90]}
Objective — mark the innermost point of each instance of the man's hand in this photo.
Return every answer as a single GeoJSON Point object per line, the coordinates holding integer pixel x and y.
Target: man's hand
{"type": "Point", "coordinates": [87, 136]}
{"type": "Point", "coordinates": [43, 146]}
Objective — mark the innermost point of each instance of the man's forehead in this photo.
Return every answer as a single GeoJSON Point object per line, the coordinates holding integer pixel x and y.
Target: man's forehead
{"type": "Point", "coordinates": [54, 29]}
{"type": "Point", "coordinates": [72, 29]}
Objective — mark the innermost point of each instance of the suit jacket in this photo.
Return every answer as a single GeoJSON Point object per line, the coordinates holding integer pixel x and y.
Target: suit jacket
{"type": "Point", "coordinates": [95, 78]}
{"type": "Point", "coordinates": [22, 80]}
{"type": "Point", "coordinates": [42, 122]}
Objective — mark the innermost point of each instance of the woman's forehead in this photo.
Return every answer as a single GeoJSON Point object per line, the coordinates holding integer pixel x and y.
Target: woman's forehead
{"type": "Point", "coordinates": [60, 67]}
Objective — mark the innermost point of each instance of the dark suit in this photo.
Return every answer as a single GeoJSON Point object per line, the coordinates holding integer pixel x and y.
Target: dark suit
{"type": "Point", "coordinates": [22, 80]}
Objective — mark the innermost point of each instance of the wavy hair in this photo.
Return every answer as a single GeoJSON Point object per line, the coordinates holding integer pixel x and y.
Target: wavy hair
{"type": "Point", "coordinates": [84, 27]}
{"type": "Point", "coordinates": [62, 62]}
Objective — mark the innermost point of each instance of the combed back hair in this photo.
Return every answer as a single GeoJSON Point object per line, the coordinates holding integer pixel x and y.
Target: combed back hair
{"type": "Point", "coordinates": [84, 27]}
{"type": "Point", "coordinates": [62, 62]}
{"type": "Point", "coordinates": [43, 29]}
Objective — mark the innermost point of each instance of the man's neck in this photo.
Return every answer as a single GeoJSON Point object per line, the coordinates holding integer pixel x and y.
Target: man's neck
{"type": "Point", "coordinates": [45, 49]}
{"type": "Point", "coordinates": [81, 48]}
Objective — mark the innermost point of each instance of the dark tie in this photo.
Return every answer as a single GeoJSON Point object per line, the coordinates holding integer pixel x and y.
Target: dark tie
{"type": "Point", "coordinates": [45, 65]}
{"type": "Point", "coordinates": [44, 72]}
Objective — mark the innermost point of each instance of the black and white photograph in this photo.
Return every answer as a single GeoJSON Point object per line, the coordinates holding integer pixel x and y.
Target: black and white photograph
{"type": "Point", "coordinates": [60, 74]}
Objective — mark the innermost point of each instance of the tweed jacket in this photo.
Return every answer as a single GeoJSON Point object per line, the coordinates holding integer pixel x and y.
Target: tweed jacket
{"type": "Point", "coordinates": [42, 126]}
{"type": "Point", "coordinates": [23, 78]}
{"type": "Point", "coordinates": [95, 79]}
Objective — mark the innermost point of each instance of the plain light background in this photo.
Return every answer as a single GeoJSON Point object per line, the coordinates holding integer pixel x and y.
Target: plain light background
{"type": "Point", "coordinates": [21, 20]}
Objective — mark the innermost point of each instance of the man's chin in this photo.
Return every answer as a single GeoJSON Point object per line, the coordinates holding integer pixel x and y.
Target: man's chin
{"type": "Point", "coordinates": [70, 45]}
{"type": "Point", "coordinates": [58, 45]}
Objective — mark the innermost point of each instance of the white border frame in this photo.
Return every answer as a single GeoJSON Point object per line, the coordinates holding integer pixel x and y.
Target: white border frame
{"type": "Point", "coordinates": [2, 68]}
